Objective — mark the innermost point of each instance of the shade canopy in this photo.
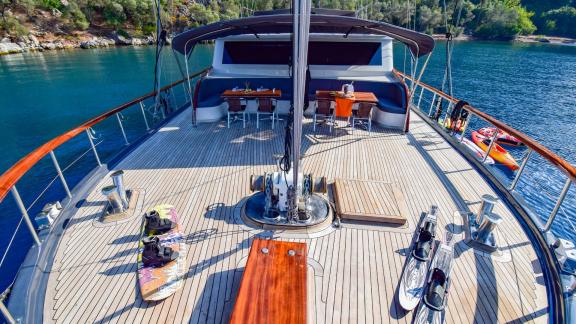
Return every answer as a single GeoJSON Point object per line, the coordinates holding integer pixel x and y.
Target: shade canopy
{"type": "Point", "coordinates": [419, 43]}
{"type": "Point", "coordinates": [314, 11]}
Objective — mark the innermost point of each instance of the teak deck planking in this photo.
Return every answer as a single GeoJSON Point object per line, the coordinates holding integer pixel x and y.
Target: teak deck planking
{"type": "Point", "coordinates": [352, 273]}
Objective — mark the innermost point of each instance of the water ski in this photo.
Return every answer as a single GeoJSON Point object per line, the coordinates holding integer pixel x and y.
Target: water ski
{"type": "Point", "coordinates": [161, 254]}
{"type": "Point", "coordinates": [433, 304]}
{"type": "Point", "coordinates": [414, 275]}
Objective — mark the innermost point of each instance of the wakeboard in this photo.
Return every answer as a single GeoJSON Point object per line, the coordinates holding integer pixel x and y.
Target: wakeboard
{"type": "Point", "coordinates": [159, 282]}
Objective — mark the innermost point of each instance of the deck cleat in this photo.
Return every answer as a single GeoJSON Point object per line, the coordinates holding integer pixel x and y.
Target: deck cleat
{"type": "Point", "coordinates": [155, 254]}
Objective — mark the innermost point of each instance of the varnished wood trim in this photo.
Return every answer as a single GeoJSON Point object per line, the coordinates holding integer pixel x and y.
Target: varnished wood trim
{"type": "Point", "coordinates": [273, 287]}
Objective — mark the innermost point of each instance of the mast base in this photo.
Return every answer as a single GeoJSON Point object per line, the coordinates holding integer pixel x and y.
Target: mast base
{"type": "Point", "coordinates": [318, 211]}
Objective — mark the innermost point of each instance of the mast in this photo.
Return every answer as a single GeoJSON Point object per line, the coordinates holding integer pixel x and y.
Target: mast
{"type": "Point", "coordinates": [301, 13]}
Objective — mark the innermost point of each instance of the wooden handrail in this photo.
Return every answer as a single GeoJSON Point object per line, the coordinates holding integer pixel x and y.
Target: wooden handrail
{"type": "Point", "coordinates": [546, 153]}
{"type": "Point", "coordinates": [12, 175]}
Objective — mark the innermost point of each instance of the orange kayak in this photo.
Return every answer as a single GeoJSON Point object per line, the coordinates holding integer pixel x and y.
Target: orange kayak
{"type": "Point", "coordinates": [498, 153]}
{"type": "Point", "coordinates": [502, 137]}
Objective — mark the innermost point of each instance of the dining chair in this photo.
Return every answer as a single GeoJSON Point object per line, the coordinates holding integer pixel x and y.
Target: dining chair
{"type": "Point", "coordinates": [324, 111]}
{"type": "Point", "coordinates": [266, 106]}
{"type": "Point", "coordinates": [364, 113]}
{"type": "Point", "coordinates": [344, 109]}
{"type": "Point", "coordinates": [237, 107]}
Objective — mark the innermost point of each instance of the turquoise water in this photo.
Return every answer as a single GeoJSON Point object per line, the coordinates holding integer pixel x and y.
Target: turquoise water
{"type": "Point", "coordinates": [529, 86]}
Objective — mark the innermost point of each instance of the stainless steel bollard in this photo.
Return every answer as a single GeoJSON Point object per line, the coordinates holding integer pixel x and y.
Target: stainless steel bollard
{"type": "Point", "coordinates": [118, 180]}
{"type": "Point", "coordinates": [486, 207]}
{"type": "Point", "coordinates": [111, 193]}
{"type": "Point", "coordinates": [489, 222]}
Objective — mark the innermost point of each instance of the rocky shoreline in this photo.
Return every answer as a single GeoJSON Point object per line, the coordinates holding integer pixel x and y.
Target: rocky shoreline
{"type": "Point", "coordinates": [30, 43]}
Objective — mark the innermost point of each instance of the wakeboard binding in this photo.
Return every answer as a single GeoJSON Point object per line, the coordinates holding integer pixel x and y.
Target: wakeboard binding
{"type": "Point", "coordinates": [156, 225]}
{"type": "Point", "coordinates": [423, 249]}
{"type": "Point", "coordinates": [437, 290]}
{"type": "Point", "coordinates": [155, 254]}
{"type": "Point", "coordinates": [415, 272]}
{"type": "Point", "coordinates": [433, 304]}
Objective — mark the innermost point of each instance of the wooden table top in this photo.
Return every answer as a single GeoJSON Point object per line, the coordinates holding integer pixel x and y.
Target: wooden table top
{"type": "Point", "coordinates": [252, 94]}
{"type": "Point", "coordinates": [358, 95]}
{"type": "Point", "coordinates": [273, 287]}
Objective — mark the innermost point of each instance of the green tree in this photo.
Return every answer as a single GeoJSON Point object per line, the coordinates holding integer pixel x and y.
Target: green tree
{"type": "Point", "coordinates": [561, 22]}
{"type": "Point", "coordinates": [502, 20]}
{"type": "Point", "coordinates": [114, 14]}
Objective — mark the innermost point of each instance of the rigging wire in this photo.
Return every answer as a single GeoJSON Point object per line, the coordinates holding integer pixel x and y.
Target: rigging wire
{"type": "Point", "coordinates": [408, 27]}
{"type": "Point", "coordinates": [447, 80]}
{"type": "Point", "coordinates": [161, 34]}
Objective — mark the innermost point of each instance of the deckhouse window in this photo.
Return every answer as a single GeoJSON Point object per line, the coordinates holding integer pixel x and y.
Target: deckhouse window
{"type": "Point", "coordinates": [344, 53]}
{"type": "Point", "coordinates": [257, 53]}
{"type": "Point", "coordinates": [319, 53]}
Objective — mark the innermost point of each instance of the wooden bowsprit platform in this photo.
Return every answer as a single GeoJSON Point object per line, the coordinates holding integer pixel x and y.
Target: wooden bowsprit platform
{"type": "Point", "coordinates": [366, 200]}
{"type": "Point", "coordinates": [273, 287]}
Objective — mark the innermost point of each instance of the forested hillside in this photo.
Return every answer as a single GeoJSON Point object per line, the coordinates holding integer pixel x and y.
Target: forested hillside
{"type": "Point", "coordinates": [486, 19]}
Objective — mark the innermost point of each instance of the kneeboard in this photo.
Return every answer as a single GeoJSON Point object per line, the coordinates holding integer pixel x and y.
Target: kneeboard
{"type": "Point", "coordinates": [157, 283]}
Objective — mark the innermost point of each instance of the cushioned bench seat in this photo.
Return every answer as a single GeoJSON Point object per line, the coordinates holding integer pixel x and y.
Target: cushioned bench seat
{"type": "Point", "coordinates": [391, 96]}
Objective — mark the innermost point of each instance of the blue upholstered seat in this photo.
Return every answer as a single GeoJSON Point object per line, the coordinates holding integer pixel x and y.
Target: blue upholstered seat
{"type": "Point", "coordinates": [391, 96]}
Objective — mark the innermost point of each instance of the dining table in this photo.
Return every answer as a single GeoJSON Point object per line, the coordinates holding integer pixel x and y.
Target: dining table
{"type": "Point", "coordinates": [252, 94]}
{"type": "Point", "coordinates": [345, 103]}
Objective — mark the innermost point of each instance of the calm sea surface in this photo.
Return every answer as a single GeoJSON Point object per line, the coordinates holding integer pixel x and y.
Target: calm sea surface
{"type": "Point", "coordinates": [532, 87]}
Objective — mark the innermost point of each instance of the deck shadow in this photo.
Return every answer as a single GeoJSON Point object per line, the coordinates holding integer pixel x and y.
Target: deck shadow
{"type": "Point", "coordinates": [215, 303]}
{"type": "Point", "coordinates": [214, 145]}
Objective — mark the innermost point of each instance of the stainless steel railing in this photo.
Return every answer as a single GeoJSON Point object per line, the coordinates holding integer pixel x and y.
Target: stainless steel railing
{"type": "Point", "coordinates": [440, 99]}
{"type": "Point", "coordinates": [555, 253]}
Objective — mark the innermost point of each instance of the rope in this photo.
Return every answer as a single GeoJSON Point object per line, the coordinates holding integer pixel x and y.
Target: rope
{"type": "Point", "coordinates": [285, 162]}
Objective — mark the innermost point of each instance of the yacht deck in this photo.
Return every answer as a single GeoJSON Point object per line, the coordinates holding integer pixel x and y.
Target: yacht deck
{"type": "Point", "coordinates": [353, 272]}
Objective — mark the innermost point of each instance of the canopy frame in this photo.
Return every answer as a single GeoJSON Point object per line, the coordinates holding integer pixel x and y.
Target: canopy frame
{"type": "Point", "coordinates": [420, 44]}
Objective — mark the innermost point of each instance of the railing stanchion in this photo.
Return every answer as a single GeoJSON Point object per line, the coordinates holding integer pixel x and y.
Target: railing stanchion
{"type": "Point", "coordinates": [420, 97]}
{"type": "Point", "coordinates": [6, 313]}
{"type": "Point", "coordinates": [144, 115]}
{"type": "Point", "coordinates": [554, 212]}
{"type": "Point", "coordinates": [492, 142]}
{"type": "Point", "coordinates": [521, 170]}
{"type": "Point", "coordinates": [466, 123]}
{"type": "Point", "coordinates": [25, 215]}
{"type": "Point", "coordinates": [122, 128]}
{"type": "Point", "coordinates": [173, 96]}
{"type": "Point", "coordinates": [432, 105]}
{"type": "Point", "coordinates": [60, 174]}
{"type": "Point", "coordinates": [93, 147]}
{"type": "Point", "coordinates": [184, 87]}
{"type": "Point", "coordinates": [447, 114]}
